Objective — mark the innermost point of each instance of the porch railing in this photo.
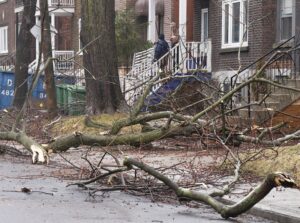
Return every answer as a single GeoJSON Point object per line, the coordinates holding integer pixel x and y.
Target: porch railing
{"type": "Point", "coordinates": [64, 61]}
{"type": "Point", "coordinates": [182, 58]}
{"type": "Point", "coordinates": [7, 63]}
{"type": "Point", "coordinates": [64, 3]}
{"type": "Point", "coordinates": [51, 3]}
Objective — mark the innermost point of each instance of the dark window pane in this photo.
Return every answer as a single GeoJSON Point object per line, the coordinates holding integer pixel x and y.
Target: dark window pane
{"type": "Point", "coordinates": [286, 28]}
{"type": "Point", "coordinates": [226, 28]}
{"type": "Point", "coordinates": [245, 21]}
{"type": "Point", "coordinates": [236, 22]}
{"type": "Point", "coordinates": [205, 24]}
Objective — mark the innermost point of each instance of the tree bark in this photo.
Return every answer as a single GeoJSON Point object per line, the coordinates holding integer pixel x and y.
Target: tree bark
{"type": "Point", "coordinates": [47, 53]}
{"type": "Point", "coordinates": [23, 52]}
{"type": "Point", "coordinates": [100, 57]}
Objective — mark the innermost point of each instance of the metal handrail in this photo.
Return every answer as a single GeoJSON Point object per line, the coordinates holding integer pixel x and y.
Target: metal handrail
{"type": "Point", "coordinates": [234, 78]}
{"type": "Point", "coordinates": [8, 62]}
{"type": "Point", "coordinates": [182, 57]}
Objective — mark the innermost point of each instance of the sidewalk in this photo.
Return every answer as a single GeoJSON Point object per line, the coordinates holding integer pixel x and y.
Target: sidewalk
{"type": "Point", "coordinates": [279, 205]}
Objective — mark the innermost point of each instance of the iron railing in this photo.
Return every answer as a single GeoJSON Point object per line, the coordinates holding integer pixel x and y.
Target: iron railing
{"type": "Point", "coordinates": [281, 67]}
{"type": "Point", "coordinates": [7, 63]}
{"type": "Point", "coordinates": [64, 61]}
{"type": "Point", "coordinates": [51, 3]}
{"type": "Point", "coordinates": [182, 58]}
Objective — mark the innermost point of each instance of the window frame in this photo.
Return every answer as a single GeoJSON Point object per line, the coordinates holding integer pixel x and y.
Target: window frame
{"type": "Point", "coordinates": [231, 43]}
{"type": "Point", "coordinates": [79, 38]}
{"type": "Point", "coordinates": [279, 20]}
{"type": "Point", "coordinates": [203, 12]}
{"type": "Point", "coordinates": [3, 39]}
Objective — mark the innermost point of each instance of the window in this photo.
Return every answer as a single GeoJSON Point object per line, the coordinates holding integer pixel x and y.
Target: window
{"type": "Point", "coordinates": [79, 31]}
{"type": "Point", "coordinates": [160, 24]}
{"type": "Point", "coordinates": [234, 23]}
{"type": "Point", "coordinates": [204, 24]}
{"type": "Point", "coordinates": [286, 19]}
{"type": "Point", "coordinates": [3, 40]}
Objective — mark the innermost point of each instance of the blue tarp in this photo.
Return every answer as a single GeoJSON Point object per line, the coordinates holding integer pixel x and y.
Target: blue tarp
{"type": "Point", "coordinates": [156, 97]}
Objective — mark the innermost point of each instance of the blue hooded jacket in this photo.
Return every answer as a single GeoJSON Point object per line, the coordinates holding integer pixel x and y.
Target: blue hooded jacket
{"type": "Point", "coordinates": [161, 48]}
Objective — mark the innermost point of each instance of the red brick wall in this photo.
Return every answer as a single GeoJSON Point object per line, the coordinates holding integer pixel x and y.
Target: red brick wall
{"type": "Point", "coordinates": [190, 20]}
{"type": "Point", "coordinates": [260, 38]}
{"type": "Point", "coordinates": [64, 27]}
{"type": "Point", "coordinates": [8, 18]}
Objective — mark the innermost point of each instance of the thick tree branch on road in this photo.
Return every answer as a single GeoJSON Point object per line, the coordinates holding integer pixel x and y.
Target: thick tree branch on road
{"type": "Point", "coordinates": [39, 154]}
{"type": "Point", "coordinates": [226, 211]}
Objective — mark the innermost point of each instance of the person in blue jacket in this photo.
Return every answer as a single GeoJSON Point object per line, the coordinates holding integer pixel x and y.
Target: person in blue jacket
{"type": "Point", "coordinates": [161, 48]}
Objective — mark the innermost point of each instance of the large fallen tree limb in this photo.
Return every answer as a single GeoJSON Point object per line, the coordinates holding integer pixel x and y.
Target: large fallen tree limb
{"type": "Point", "coordinates": [135, 139]}
{"type": "Point", "coordinates": [39, 154]}
{"type": "Point", "coordinates": [226, 211]}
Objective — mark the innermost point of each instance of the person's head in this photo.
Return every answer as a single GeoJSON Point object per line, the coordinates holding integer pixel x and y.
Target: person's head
{"type": "Point", "coordinates": [161, 36]}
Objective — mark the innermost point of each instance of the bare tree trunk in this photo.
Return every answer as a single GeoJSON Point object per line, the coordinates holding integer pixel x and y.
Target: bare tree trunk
{"type": "Point", "coordinates": [47, 53]}
{"type": "Point", "coordinates": [23, 52]}
{"type": "Point", "coordinates": [100, 56]}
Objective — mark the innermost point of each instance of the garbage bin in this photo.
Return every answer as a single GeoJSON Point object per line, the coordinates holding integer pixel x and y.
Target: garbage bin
{"type": "Point", "coordinates": [7, 80]}
{"type": "Point", "coordinates": [62, 97]}
{"type": "Point", "coordinates": [76, 99]}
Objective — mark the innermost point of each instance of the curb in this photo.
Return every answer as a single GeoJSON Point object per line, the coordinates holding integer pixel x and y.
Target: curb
{"type": "Point", "coordinates": [273, 215]}
{"type": "Point", "coordinates": [267, 214]}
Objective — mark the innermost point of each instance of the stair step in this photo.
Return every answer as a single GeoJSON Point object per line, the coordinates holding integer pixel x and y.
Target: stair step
{"type": "Point", "coordinates": [238, 121]}
{"type": "Point", "coordinates": [267, 104]}
{"type": "Point", "coordinates": [292, 83]}
{"type": "Point", "coordinates": [275, 97]}
{"type": "Point", "coordinates": [258, 115]}
{"type": "Point", "coordinates": [292, 94]}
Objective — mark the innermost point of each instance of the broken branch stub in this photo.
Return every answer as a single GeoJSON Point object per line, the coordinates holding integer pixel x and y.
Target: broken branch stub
{"type": "Point", "coordinates": [39, 154]}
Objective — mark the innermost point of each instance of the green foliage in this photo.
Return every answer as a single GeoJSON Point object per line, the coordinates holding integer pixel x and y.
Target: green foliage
{"type": "Point", "coordinates": [128, 39]}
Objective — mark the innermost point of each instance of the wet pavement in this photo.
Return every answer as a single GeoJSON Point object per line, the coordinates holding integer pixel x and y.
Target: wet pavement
{"type": "Point", "coordinates": [59, 203]}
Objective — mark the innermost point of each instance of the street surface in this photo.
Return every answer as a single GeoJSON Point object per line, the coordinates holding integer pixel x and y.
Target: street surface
{"type": "Point", "coordinates": [72, 204]}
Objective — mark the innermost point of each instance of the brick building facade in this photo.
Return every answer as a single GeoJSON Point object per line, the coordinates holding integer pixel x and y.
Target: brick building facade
{"type": "Point", "coordinates": [7, 24]}
{"type": "Point", "coordinates": [263, 21]}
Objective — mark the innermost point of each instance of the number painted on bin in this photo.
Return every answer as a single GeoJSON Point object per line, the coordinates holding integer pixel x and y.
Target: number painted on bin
{"type": "Point", "coordinates": [42, 95]}
{"type": "Point", "coordinates": [9, 93]}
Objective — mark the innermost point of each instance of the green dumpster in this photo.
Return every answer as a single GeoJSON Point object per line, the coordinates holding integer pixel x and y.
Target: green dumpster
{"type": "Point", "coordinates": [76, 99]}
{"type": "Point", "coordinates": [71, 99]}
{"type": "Point", "coordinates": [62, 97]}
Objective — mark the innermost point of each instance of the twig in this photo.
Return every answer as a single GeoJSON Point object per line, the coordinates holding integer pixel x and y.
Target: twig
{"type": "Point", "coordinates": [99, 177]}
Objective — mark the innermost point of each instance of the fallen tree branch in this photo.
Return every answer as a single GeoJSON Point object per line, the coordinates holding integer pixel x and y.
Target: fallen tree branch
{"type": "Point", "coordinates": [227, 188]}
{"type": "Point", "coordinates": [226, 211]}
{"type": "Point", "coordinates": [90, 123]}
{"type": "Point", "coordinates": [39, 154]}
{"type": "Point", "coordinates": [118, 125]}
{"type": "Point", "coordinates": [76, 139]}
{"type": "Point", "coordinates": [122, 169]}
{"type": "Point", "coordinates": [275, 142]}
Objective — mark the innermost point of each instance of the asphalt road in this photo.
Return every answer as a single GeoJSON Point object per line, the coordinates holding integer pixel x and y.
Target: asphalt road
{"type": "Point", "coordinates": [71, 204]}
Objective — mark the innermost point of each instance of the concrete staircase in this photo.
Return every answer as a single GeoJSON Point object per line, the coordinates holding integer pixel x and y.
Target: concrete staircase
{"type": "Point", "coordinates": [278, 100]}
